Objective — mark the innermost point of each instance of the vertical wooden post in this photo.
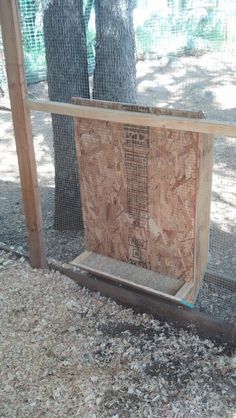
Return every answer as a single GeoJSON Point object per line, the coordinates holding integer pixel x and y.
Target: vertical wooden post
{"type": "Point", "coordinates": [23, 130]}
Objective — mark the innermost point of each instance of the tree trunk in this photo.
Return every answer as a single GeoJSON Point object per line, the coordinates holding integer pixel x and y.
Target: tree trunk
{"type": "Point", "coordinates": [115, 70]}
{"type": "Point", "coordinates": [67, 75]}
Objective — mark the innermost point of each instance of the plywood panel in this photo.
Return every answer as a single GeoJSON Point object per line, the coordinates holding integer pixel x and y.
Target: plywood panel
{"type": "Point", "coordinates": [140, 192]}
{"type": "Point", "coordinates": [118, 270]}
{"type": "Point", "coordinates": [172, 191]}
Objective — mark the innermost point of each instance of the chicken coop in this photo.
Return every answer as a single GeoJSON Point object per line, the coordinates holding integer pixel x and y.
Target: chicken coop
{"type": "Point", "coordinates": [124, 130]}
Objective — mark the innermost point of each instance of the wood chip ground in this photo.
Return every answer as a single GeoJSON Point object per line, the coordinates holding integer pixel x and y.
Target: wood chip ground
{"type": "Point", "coordinates": [67, 352]}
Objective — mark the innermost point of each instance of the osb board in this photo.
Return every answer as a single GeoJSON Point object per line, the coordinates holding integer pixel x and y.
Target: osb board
{"type": "Point", "coordinates": [139, 189]}
{"type": "Point", "coordinates": [203, 206]}
{"type": "Point", "coordinates": [137, 108]}
{"type": "Point", "coordinates": [110, 267]}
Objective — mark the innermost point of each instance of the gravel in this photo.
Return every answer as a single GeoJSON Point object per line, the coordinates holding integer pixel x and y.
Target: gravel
{"type": "Point", "coordinates": [67, 352]}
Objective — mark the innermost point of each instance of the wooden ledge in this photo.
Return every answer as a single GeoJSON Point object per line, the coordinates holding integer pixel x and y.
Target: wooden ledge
{"type": "Point", "coordinates": [136, 277]}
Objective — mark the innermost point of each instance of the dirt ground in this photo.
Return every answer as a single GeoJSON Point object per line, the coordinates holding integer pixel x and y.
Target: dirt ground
{"type": "Point", "coordinates": [66, 352]}
{"type": "Point", "coordinates": [206, 83]}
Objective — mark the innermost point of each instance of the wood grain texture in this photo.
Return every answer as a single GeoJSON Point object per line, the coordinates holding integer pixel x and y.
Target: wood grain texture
{"type": "Point", "coordinates": [188, 124]}
{"type": "Point", "coordinates": [22, 129]}
{"type": "Point", "coordinates": [202, 216]}
{"type": "Point", "coordinates": [120, 271]}
{"type": "Point", "coordinates": [141, 192]}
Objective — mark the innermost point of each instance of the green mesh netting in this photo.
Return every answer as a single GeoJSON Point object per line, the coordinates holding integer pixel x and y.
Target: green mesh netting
{"type": "Point", "coordinates": [197, 26]}
{"type": "Point", "coordinates": [31, 26]}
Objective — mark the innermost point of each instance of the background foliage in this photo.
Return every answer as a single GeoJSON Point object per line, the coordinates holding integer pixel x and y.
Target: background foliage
{"type": "Point", "coordinates": [177, 27]}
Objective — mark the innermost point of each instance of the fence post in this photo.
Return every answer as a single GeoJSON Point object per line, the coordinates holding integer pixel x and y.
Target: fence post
{"type": "Point", "coordinates": [23, 130]}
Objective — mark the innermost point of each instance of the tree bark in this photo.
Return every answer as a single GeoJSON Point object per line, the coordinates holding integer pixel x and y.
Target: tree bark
{"type": "Point", "coordinates": [67, 76]}
{"type": "Point", "coordinates": [115, 69]}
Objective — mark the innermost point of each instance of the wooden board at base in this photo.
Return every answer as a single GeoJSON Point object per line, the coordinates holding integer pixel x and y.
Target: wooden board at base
{"type": "Point", "coordinates": [136, 277]}
{"type": "Point", "coordinates": [145, 192]}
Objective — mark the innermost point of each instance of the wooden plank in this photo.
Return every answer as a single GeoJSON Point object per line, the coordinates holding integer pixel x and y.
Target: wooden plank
{"type": "Point", "coordinates": [168, 122]}
{"type": "Point", "coordinates": [178, 315]}
{"type": "Point", "coordinates": [203, 205]}
{"type": "Point", "coordinates": [163, 309]}
{"type": "Point", "coordinates": [134, 108]}
{"type": "Point", "coordinates": [151, 184]}
{"type": "Point", "coordinates": [186, 292]}
{"type": "Point", "coordinates": [226, 282]}
{"type": "Point", "coordinates": [118, 270]}
{"type": "Point", "coordinates": [83, 257]}
{"type": "Point", "coordinates": [22, 129]}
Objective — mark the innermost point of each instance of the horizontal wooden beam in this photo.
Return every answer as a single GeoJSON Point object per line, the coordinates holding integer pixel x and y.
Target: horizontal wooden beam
{"type": "Point", "coordinates": [134, 118]}
{"type": "Point", "coordinates": [163, 309]}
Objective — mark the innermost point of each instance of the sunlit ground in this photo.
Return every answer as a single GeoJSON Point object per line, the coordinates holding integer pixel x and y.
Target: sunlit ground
{"type": "Point", "coordinates": [206, 83]}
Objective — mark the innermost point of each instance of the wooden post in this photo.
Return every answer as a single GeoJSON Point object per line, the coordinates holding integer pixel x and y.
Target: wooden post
{"type": "Point", "coordinates": [23, 130]}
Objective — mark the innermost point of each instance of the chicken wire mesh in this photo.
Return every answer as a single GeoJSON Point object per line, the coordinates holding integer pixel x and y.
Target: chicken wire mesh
{"type": "Point", "coordinates": [12, 224]}
{"type": "Point", "coordinates": [217, 293]}
{"type": "Point", "coordinates": [171, 53]}
{"type": "Point", "coordinates": [174, 54]}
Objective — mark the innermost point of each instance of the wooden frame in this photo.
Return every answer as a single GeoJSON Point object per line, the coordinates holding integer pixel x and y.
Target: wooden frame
{"type": "Point", "coordinates": [205, 126]}
{"type": "Point", "coordinates": [23, 130]}
{"type": "Point", "coordinates": [154, 213]}
{"type": "Point", "coordinates": [21, 106]}
{"type": "Point", "coordinates": [182, 296]}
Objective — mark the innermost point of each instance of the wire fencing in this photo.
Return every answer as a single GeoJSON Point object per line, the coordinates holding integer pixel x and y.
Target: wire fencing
{"type": "Point", "coordinates": [175, 55]}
